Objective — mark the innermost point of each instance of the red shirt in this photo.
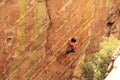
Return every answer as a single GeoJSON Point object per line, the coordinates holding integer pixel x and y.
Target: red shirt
{"type": "Point", "coordinates": [73, 46]}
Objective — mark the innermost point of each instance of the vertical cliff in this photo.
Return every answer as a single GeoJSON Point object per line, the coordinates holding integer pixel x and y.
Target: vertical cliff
{"type": "Point", "coordinates": [23, 38]}
{"type": "Point", "coordinates": [34, 36]}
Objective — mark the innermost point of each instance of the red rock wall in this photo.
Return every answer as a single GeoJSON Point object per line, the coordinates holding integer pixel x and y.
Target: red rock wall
{"type": "Point", "coordinates": [34, 36]}
{"type": "Point", "coordinates": [23, 37]}
{"type": "Point", "coordinates": [80, 19]}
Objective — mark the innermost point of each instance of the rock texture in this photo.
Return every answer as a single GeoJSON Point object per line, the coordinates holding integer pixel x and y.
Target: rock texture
{"type": "Point", "coordinates": [34, 36]}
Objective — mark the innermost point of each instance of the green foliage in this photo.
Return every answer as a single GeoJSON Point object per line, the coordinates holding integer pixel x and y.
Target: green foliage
{"type": "Point", "coordinates": [96, 66]}
{"type": "Point", "coordinates": [88, 71]}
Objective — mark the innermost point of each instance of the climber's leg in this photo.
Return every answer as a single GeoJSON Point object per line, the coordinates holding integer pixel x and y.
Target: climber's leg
{"type": "Point", "coordinates": [69, 51]}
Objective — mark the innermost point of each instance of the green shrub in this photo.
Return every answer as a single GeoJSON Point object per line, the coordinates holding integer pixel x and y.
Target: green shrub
{"type": "Point", "coordinates": [97, 64]}
{"type": "Point", "coordinates": [88, 71]}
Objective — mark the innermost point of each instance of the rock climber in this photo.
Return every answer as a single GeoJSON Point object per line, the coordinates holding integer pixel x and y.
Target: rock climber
{"type": "Point", "coordinates": [73, 44]}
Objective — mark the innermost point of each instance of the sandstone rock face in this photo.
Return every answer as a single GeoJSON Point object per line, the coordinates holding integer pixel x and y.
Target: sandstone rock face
{"type": "Point", "coordinates": [34, 36]}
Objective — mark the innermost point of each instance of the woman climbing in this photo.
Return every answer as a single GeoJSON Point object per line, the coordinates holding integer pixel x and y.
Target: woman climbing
{"type": "Point", "coordinates": [72, 44]}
